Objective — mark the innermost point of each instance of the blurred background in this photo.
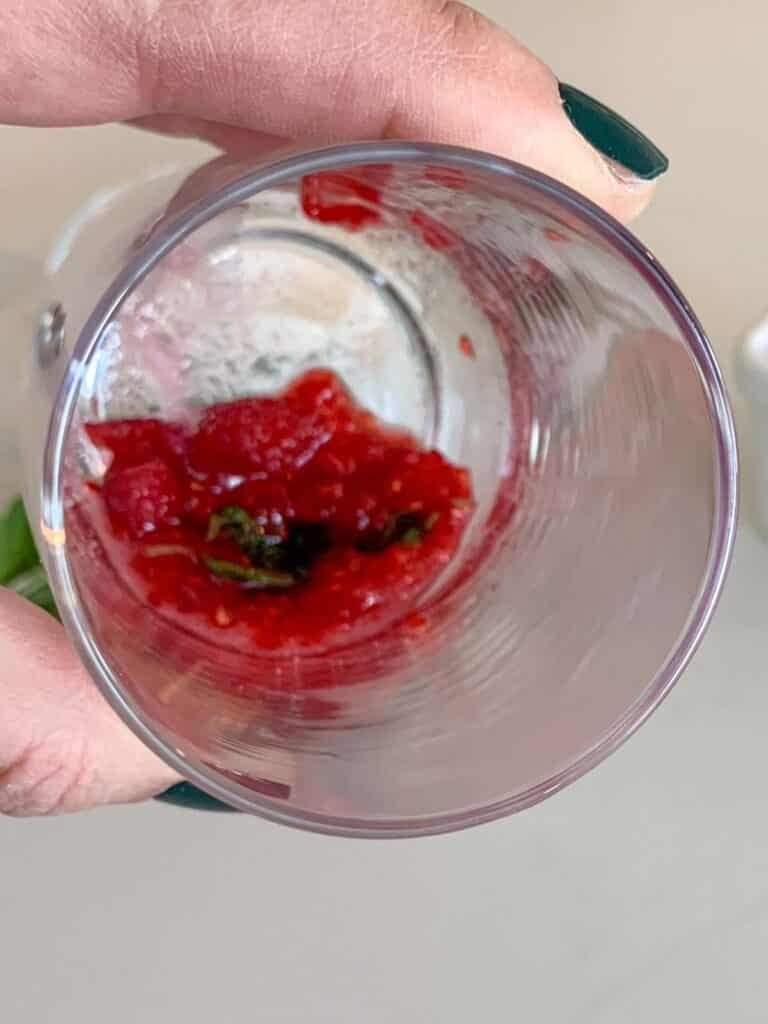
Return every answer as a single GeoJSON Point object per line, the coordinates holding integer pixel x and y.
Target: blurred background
{"type": "Point", "coordinates": [638, 894]}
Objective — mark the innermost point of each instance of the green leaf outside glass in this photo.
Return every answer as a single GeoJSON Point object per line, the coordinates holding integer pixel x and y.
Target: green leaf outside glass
{"type": "Point", "coordinates": [20, 567]}
{"type": "Point", "coordinates": [33, 585]}
{"type": "Point", "coordinates": [17, 546]}
{"type": "Point", "coordinates": [22, 572]}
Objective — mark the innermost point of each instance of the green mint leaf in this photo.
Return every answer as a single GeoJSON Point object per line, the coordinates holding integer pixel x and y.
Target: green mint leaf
{"type": "Point", "coordinates": [235, 520]}
{"type": "Point", "coordinates": [263, 550]}
{"type": "Point", "coordinates": [402, 527]}
{"type": "Point", "coordinates": [17, 546]}
{"type": "Point", "coordinates": [281, 560]}
{"type": "Point", "coordinates": [253, 576]}
{"type": "Point", "coordinates": [32, 584]}
{"type": "Point", "coordinates": [412, 536]}
{"type": "Point", "coordinates": [215, 524]}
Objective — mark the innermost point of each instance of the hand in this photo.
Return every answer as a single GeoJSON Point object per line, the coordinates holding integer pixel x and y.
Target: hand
{"type": "Point", "coordinates": [235, 72]}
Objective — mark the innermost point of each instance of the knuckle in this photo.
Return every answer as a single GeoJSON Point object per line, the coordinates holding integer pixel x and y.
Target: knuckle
{"type": "Point", "coordinates": [43, 780]}
{"type": "Point", "coordinates": [485, 51]}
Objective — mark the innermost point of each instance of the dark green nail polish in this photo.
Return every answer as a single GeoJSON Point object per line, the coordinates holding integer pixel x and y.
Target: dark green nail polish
{"type": "Point", "coordinates": [184, 794]}
{"type": "Point", "coordinates": [612, 135]}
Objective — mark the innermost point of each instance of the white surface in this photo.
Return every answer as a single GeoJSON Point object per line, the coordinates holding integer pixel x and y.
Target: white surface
{"type": "Point", "coordinates": [638, 895]}
{"type": "Point", "coordinates": [752, 378]}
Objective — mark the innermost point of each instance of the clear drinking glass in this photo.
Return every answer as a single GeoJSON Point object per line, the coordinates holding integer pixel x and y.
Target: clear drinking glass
{"type": "Point", "coordinates": [503, 320]}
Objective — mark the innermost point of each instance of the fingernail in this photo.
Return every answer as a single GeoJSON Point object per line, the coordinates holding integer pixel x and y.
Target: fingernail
{"type": "Point", "coordinates": [184, 794]}
{"type": "Point", "coordinates": [612, 135]}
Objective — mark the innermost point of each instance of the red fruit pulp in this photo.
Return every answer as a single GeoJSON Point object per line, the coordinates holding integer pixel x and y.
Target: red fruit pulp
{"type": "Point", "coordinates": [288, 523]}
{"type": "Point", "coordinates": [349, 198]}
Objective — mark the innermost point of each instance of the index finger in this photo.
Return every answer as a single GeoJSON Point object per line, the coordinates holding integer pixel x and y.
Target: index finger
{"type": "Point", "coordinates": [412, 69]}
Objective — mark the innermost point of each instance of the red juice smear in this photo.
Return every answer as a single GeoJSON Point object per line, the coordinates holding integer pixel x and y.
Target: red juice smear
{"type": "Point", "coordinates": [348, 198]}
{"type": "Point", "coordinates": [432, 232]}
{"type": "Point", "coordinates": [448, 177]}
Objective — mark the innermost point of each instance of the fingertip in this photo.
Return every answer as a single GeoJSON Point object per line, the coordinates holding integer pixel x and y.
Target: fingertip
{"type": "Point", "coordinates": [619, 141]}
{"type": "Point", "coordinates": [628, 164]}
{"type": "Point", "coordinates": [631, 199]}
{"type": "Point", "coordinates": [617, 191]}
{"type": "Point", "coordinates": [567, 156]}
{"type": "Point", "coordinates": [62, 747]}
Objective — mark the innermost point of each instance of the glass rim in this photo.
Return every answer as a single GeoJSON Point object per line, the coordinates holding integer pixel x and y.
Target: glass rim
{"type": "Point", "coordinates": [271, 173]}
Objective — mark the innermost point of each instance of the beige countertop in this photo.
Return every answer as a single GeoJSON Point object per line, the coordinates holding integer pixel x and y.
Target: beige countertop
{"type": "Point", "coordinates": [640, 893]}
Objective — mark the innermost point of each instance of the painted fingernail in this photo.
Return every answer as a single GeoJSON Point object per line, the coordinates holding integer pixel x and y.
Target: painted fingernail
{"type": "Point", "coordinates": [613, 136]}
{"type": "Point", "coordinates": [184, 794]}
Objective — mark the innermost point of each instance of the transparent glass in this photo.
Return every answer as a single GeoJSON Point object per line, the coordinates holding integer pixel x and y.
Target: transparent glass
{"type": "Point", "coordinates": [502, 319]}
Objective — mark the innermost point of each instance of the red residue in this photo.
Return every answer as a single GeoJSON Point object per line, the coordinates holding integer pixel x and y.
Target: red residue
{"type": "Point", "coordinates": [351, 199]}
{"type": "Point", "coordinates": [450, 177]}
{"type": "Point", "coordinates": [466, 347]}
{"type": "Point", "coordinates": [432, 232]}
{"type": "Point", "coordinates": [416, 624]}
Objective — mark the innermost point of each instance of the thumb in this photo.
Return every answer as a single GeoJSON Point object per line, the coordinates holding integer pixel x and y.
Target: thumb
{"type": "Point", "coordinates": [62, 748]}
{"type": "Point", "coordinates": [412, 69]}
